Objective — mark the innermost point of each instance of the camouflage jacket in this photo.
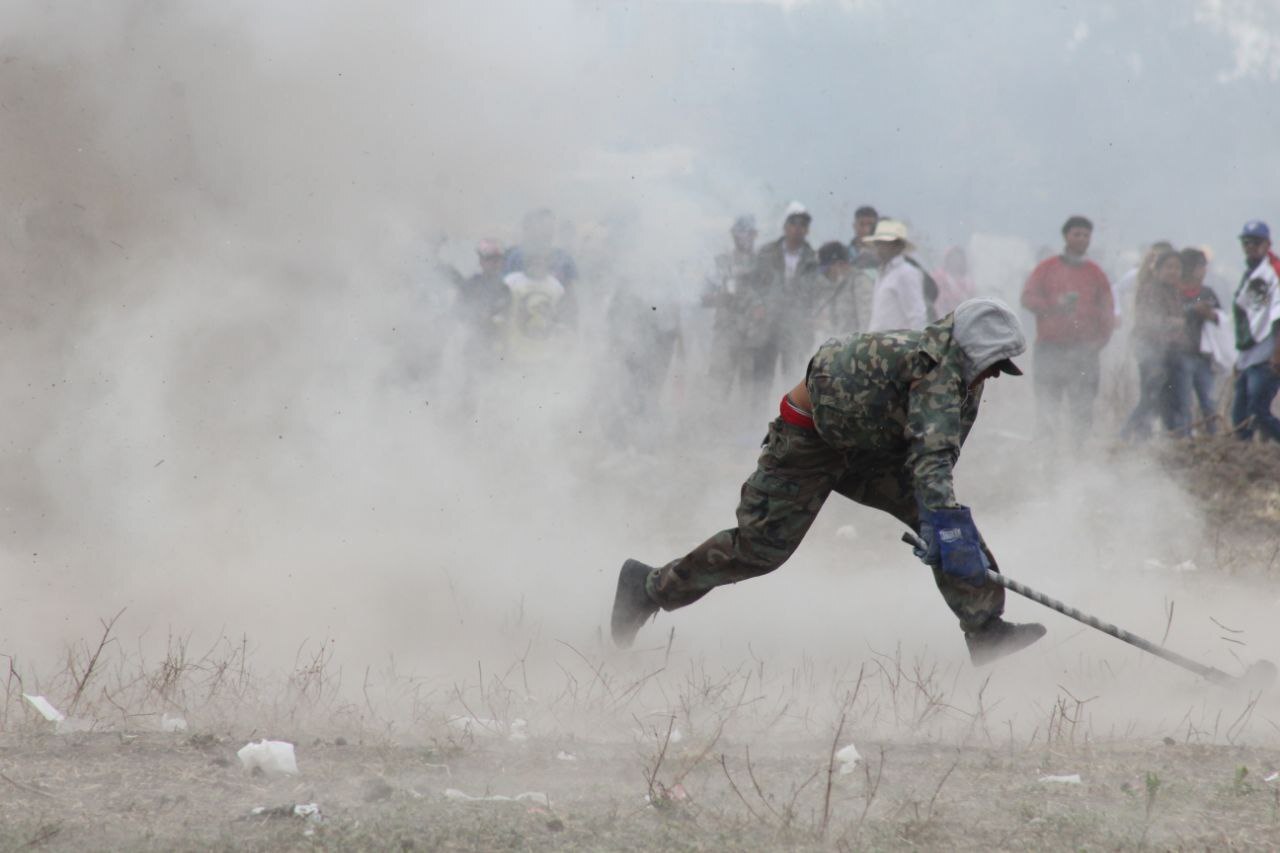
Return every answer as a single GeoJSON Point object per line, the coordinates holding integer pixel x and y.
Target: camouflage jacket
{"type": "Point", "coordinates": [896, 400]}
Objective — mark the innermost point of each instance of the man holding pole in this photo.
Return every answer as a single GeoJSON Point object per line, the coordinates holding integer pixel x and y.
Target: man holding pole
{"type": "Point", "coordinates": [879, 418]}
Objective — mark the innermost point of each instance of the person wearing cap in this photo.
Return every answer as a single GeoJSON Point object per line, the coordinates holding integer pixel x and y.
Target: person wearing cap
{"type": "Point", "coordinates": [899, 298]}
{"type": "Point", "coordinates": [843, 292]}
{"type": "Point", "coordinates": [728, 292]}
{"type": "Point", "coordinates": [1256, 307]}
{"type": "Point", "coordinates": [1075, 314]}
{"type": "Point", "coordinates": [784, 280]}
{"type": "Point", "coordinates": [880, 419]}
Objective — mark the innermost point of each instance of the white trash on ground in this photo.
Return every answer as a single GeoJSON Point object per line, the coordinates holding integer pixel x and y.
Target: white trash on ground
{"type": "Point", "coordinates": [272, 757]}
{"type": "Point", "coordinates": [847, 758]}
{"type": "Point", "coordinates": [45, 708]}
{"type": "Point", "coordinates": [309, 811]}
{"type": "Point", "coordinates": [172, 724]}
{"type": "Point", "coordinates": [62, 724]}
{"type": "Point", "coordinates": [1073, 779]}
{"type": "Point", "coordinates": [565, 756]}
{"type": "Point", "coordinates": [527, 797]}
{"type": "Point", "coordinates": [1273, 776]}
{"type": "Point", "coordinates": [1157, 565]}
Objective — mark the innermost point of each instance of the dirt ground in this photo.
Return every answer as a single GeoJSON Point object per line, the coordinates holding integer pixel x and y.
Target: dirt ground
{"type": "Point", "coordinates": [721, 730]}
{"type": "Point", "coordinates": [181, 792]}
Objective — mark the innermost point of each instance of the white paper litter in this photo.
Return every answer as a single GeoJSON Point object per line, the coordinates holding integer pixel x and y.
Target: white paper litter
{"type": "Point", "coordinates": [518, 731]}
{"type": "Point", "coordinates": [273, 757]}
{"type": "Point", "coordinates": [1158, 565]}
{"type": "Point", "coordinates": [565, 756]}
{"type": "Point", "coordinates": [848, 759]}
{"type": "Point", "coordinates": [46, 710]}
{"type": "Point", "coordinates": [1273, 777]}
{"type": "Point", "coordinates": [1073, 779]}
{"type": "Point", "coordinates": [172, 724]}
{"type": "Point", "coordinates": [527, 797]}
{"type": "Point", "coordinates": [309, 811]}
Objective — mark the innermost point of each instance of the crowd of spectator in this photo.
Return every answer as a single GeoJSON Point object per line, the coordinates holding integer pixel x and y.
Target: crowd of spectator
{"type": "Point", "coordinates": [768, 306]}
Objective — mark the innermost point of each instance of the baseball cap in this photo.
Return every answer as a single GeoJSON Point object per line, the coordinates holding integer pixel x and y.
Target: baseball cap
{"type": "Point", "coordinates": [1257, 229]}
{"type": "Point", "coordinates": [796, 210]}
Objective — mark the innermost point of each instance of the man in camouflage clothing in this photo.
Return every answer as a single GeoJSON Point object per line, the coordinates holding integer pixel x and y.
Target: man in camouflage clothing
{"type": "Point", "coordinates": [880, 419]}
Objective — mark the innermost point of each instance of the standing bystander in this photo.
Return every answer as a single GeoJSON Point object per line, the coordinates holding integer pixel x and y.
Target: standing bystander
{"type": "Point", "coordinates": [728, 293]}
{"type": "Point", "coordinates": [844, 300]}
{"type": "Point", "coordinates": [898, 302]}
{"type": "Point", "coordinates": [1071, 300]}
{"type": "Point", "coordinates": [861, 254]}
{"type": "Point", "coordinates": [784, 271]}
{"type": "Point", "coordinates": [1159, 332]}
{"type": "Point", "coordinates": [1201, 307]}
{"type": "Point", "coordinates": [1257, 314]}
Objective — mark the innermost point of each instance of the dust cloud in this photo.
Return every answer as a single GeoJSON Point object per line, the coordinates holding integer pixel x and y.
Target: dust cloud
{"type": "Point", "coordinates": [236, 402]}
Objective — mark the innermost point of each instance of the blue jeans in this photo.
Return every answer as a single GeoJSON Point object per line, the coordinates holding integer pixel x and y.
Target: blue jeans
{"type": "Point", "coordinates": [1256, 387]}
{"type": "Point", "coordinates": [1196, 378]}
{"type": "Point", "coordinates": [1160, 384]}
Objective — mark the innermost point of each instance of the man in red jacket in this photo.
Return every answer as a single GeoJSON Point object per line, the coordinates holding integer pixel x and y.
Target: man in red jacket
{"type": "Point", "coordinates": [1071, 298]}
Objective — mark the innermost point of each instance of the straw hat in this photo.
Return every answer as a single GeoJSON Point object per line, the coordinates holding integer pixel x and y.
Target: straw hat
{"type": "Point", "coordinates": [888, 230]}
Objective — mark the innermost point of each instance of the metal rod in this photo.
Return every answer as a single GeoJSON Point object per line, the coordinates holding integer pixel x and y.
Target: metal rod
{"type": "Point", "coordinates": [1215, 675]}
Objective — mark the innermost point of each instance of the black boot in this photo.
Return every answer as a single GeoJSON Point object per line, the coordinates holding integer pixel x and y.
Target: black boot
{"type": "Point", "coordinates": [632, 606]}
{"type": "Point", "coordinates": [999, 638]}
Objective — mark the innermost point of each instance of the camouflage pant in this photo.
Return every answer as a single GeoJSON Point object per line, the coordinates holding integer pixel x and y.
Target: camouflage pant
{"type": "Point", "coordinates": [795, 473]}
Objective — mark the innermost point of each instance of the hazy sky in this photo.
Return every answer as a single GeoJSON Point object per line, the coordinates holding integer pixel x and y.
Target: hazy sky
{"type": "Point", "coordinates": [1157, 118]}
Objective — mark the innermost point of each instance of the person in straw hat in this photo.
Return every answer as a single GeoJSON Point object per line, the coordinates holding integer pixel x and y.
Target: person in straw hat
{"type": "Point", "coordinates": [899, 298]}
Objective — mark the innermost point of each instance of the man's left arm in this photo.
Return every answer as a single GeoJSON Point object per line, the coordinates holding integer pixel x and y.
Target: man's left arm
{"type": "Point", "coordinates": [1275, 347]}
{"type": "Point", "coordinates": [935, 422]}
{"type": "Point", "coordinates": [935, 429]}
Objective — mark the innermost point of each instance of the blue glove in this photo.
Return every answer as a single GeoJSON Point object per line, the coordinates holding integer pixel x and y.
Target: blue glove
{"type": "Point", "coordinates": [953, 544]}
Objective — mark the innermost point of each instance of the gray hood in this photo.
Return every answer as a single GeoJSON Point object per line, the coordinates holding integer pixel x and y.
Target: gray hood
{"type": "Point", "coordinates": [987, 332]}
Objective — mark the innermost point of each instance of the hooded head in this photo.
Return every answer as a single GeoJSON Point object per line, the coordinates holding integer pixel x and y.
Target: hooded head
{"type": "Point", "coordinates": [989, 335]}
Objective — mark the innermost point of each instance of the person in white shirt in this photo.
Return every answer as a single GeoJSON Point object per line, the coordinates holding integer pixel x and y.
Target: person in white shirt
{"type": "Point", "coordinates": [536, 313]}
{"type": "Point", "coordinates": [898, 301]}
